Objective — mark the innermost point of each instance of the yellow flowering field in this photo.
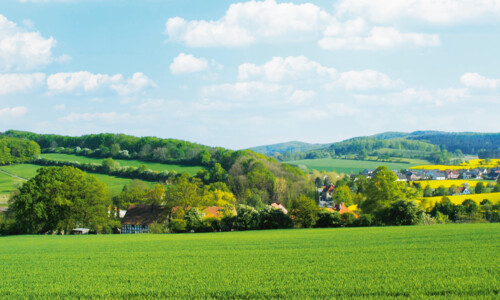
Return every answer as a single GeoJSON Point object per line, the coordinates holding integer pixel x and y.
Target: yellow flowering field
{"type": "Point", "coordinates": [434, 184]}
{"type": "Point", "coordinates": [470, 164]}
{"type": "Point", "coordinates": [429, 202]}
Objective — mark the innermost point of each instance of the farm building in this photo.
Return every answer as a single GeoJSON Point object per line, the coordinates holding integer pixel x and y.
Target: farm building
{"type": "Point", "coordinates": [139, 217]}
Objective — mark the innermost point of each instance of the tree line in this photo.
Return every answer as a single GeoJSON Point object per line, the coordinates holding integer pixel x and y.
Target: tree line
{"type": "Point", "coordinates": [13, 150]}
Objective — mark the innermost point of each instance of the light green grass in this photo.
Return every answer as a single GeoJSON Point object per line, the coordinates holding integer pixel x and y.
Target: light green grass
{"type": "Point", "coordinates": [415, 262]}
{"type": "Point", "coordinates": [191, 170]}
{"type": "Point", "coordinates": [348, 166]}
{"type": "Point", "coordinates": [115, 184]}
{"type": "Point", "coordinates": [8, 184]}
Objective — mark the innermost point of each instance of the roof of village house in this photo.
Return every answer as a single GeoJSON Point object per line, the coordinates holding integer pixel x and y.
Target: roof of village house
{"type": "Point", "coordinates": [210, 211]}
{"type": "Point", "coordinates": [144, 215]}
{"type": "Point", "coordinates": [280, 206]}
{"type": "Point", "coordinates": [343, 209]}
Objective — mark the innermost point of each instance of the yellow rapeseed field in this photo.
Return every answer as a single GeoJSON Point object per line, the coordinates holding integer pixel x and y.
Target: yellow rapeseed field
{"type": "Point", "coordinates": [470, 164]}
{"type": "Point", "coordinates": [429, 202]}
{"type": "Point", "coordinates": [434, 184]}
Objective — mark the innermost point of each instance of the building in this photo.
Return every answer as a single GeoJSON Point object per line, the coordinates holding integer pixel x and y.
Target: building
{"type": "Point", "coordinates": [139, 217]}
{"type": "Point", "coordinates": [280, 206]}
{"type": "Point", "coordinates": [80, 231]}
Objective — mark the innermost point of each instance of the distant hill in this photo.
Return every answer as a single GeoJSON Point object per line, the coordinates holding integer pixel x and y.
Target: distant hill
{"type": "Point", "coordinates": [429, 145]}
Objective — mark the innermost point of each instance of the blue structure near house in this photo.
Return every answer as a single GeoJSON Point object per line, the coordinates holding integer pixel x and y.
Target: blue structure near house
{"type": "Point", "coordinates": [139, 217]}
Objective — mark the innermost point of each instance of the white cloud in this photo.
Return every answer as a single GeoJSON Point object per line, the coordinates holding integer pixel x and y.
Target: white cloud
{"type": "Point", "coordinates": [84, 81]}
{"type": "Point", "coordinates": [414, 97]}
{"type": "Point", "coordinates": [279, 69]}
{"type": "Point", "coordinates": [23, 50]}
{"type": "Point", "coordinates": [15, 83]}
{"type": "Point", "coordinates": [245, 23]}
{"type": "Point", "coordinates": [377, 38]}
{"type": "Point", "coordinates": [300, 96]}
{"type": "Point", "coordinates": [367, 80]}
{"type": "Point", "coordinates": [444, 12]}
{"type": "Point", "coordinates": [241, 89]}
{"type": "Point", "coordinates": [109, 117]}
{"type": "Point", "coordinates": [134, 85]}
{"type": "Point", "coordinates": [15, 112]}
{"type": "Point", "coordinates": [475, 80]}
{"type": "Point", "coordinates": [187, 63]}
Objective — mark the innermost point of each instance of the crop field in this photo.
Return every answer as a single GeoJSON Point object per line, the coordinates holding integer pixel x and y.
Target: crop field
{"type": "Point", "coordinates": [429, 202]}
{"type": "Point", "coordinates": [348, 166]}
{"type": "Point", "coordinates": [470, 164]}
{"type": "Point", "coordinates": [27, 171]}
{"type": "Point", "coordinates": [434, 184]}
{"type": "Point", "coordinates": [191, 170]}
{"type": "Point", "coordinates": [376, 262]}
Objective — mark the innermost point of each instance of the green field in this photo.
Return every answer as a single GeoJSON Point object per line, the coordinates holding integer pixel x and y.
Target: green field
{"type": "Point", "coordinates": [8, 184]}
{"type": "Point", "coordinates": [191, 170]}
{"type": "Point", "coordinates": [348, 166]}
{"type": "Point", "coordinates": [441, 261]}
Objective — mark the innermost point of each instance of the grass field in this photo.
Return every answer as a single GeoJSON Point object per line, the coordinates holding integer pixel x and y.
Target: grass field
{"type": "Point", "coordinates": [348, 166]}
{"type": "Point", "coordinates": [191, 170]}
{"type": "Point", "coordinates": [8, 184]}
{"type": "Point", "coordinates": [444, 261]}
{"type": "Point", "coordinates": [429, 202]}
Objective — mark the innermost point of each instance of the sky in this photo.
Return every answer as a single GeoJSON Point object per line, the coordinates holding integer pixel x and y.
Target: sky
{"type": "Point", "coordinates": [242, 74]}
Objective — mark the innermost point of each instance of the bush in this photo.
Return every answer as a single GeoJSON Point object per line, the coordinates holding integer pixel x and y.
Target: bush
{"type": "Point", "coordinates": [211, 224]}
{"type": "Point", "coordinates": [402, 212]}
{"type": "Point", "coordinates": [328, 219]}
{"type": "Point", "coordinates": [194, 218]}
{"type": "Point", "coordinates": [177, 225]}
{"type": "Point", "coordinates": [364, 220]}
{"type": "Point", "coordinates": [274, 218]}
{"type": "Point", "coordinates": [347, 219]}
{"type": "Point", "coordinates": [247, 218]}
{"type": "Point", "coordinates": [157, 228]}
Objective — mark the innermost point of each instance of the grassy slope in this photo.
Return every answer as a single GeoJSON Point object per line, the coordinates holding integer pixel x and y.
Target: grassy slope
{"type": "Point", "coordinates": [459, 260]}
{"type": "Point", "coordinates": [348, 166]}
{"type": "Point", "coordinates": [115, 184]}
{"type": "Point", "coordinates": [133, 163]}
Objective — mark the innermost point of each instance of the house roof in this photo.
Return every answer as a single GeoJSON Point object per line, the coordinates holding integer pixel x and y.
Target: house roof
{"type": "Point", "coordinates": [143, 215]}
{"type": "Point", "coordinates": [280, 206]}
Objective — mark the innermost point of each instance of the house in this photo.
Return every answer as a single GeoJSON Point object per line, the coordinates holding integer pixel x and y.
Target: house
{"type": "Point", "coordinates": [401, 176]}
{"type": "Point", "coordinates": [139, 217]}
{"type": "Point", "coordinates": [414, 175]}
{"type": "Point", "coordinates": [494, 173]}
{"type": "Point", "coordinates": [80, 231]}
{"type": "Point", "coordinates": [452, 174]}
{"type": "Point", "coordinates": [465, 191]}
{"type": "Point", "coordinates": [280, 206]}
{"type": "Point", "coordinates": [367, 172]}
{"type": "Point", "coordinates": [438, 175]}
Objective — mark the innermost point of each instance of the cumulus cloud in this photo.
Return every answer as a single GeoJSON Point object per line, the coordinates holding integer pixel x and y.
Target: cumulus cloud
{"type": "Point", "coordinates": [23, 50]}
{"type": "Point", "coordinates": [245, 23]}
{"type": "Point", "coordinates": [279, 69]}
{"type": "Point", "coordinates": [376, 38]}
{"type": "Point", "coordinates": [106, 117]}
{"type": "Point", "coordinates": [475, 80]}
{"type": "Point", "coordinates": [443, 12]}
{"type": "Point", "coordinates": [88, 82]}
{"type": "Point", "coordinates": [16, 83]}
{"type": "Point", "coordinates": [187, 63]}
{"type": "Point", "coordinates": [367, 80]}
{"type": "Point", "coordinates": [15, 112]}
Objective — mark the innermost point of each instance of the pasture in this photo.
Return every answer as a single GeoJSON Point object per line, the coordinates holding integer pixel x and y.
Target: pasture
{"type": "Point", "coordinates": [27, 171]}
{"type": "Point", "coordinates": [375, 262]}
{"type": "Point", "coordinates": [191, 170]}
{"type": "Point", "coordinates": [348, 166]}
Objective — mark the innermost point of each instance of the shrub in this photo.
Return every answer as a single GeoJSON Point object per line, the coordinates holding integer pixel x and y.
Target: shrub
{"type": "Point", "coordinates": [274, 218]}
{"type": "Point", "coordinates": [177, 225]}
{"type": "Point", "coordinates": [403, 212]}
{"type": "Point", "coordinates": [347, 219]}
{"type": "Point", "coordinates": [247, 218]}
{"type": "Point", "coordinates": [211, 224]}
{"type": "Point", "coordinates": [328, 219]}
{"type": "Point", "coordinates": [194, 218]}
{"type": "Point", "coordinates": [364, 220]}
{"type": "Point", "coordinates": [157, 228]}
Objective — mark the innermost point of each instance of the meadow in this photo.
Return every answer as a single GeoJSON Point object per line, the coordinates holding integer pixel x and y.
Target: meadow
{"type": "Point", "coordinates": [375, 262]}
{"type": "Point", "coordinates": [27, 171]}
{"type": "Point", "coordinates": [191, 170]}
{"type": "Point", "coordinates": [348, 166]}
{"type": "Point", "coordinates": [429, 202]}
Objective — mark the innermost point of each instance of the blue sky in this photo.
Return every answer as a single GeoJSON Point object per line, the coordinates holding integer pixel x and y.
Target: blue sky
{"type": "Point", "coordinates": [242, 74]}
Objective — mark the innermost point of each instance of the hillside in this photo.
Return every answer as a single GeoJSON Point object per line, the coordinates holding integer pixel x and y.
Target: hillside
{"type": "Point", "coordinates": [429, 145]}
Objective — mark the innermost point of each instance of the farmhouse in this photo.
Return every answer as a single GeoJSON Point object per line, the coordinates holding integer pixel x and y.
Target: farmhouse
{"type": "Point", "coordinates": [139, 217]}
{"type": "Point", "coordinates": [452, 174]}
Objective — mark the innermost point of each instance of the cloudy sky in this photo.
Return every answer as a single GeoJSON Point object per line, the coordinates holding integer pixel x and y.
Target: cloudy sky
{"type": "Point", "coordinates": [242, 74]}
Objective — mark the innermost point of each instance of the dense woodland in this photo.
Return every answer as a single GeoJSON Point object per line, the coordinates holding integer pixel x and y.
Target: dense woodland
{"type": "Point", "coordinates": [14, 150]}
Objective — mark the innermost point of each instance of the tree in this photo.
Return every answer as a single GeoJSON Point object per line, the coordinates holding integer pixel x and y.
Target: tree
{"type": "Point", "coordinates": [274, 218]}
{"type": "Point", "coordinates": [247, 218]}
{"type": "Point", "coordinates": [304, 211]}
{"type": "Point", "coordinates": [402, 212]}
{"type": "Point", "coordinates": [427, 191]}
{"type": "Point", "coordinates": [480, 188]}
{"type": "Point", "coordinates": [194, 218]}
{"type": "Point", "coordinates": [60, 199]}
{"type": "Point", "coordinates": [382, 189]}
{"type": "Point", "coordinates": [184, 193]}
{"type": "Point", "coordinates": [496, 188]}
{"type": "Point", "coordinates": [328, 219]}
{"type": "Point", "coordinates": [342, 195]}
{"type": "Point", "coordinates": [156, 194]}
{"type": "Point", "coordinates": [109, 165]}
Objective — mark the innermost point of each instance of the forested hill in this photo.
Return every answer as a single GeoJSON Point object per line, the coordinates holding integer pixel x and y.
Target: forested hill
{"type": "Point", "coordinates": [418, 144]}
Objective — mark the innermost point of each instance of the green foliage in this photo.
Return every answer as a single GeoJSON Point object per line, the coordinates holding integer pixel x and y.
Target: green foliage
{"type": "Point", "coordinates": [60, 199]}
{"type": "Point", "coordinates": [194, 218]}
{"type": "Point", "coordinates": [177, 225]}
{"type": "Point", "coordinates": [274, 218]}
{"type": "Point", "coordinates": [402, 212]}
{"type": "Point", "coordinates": [13, 150]}
{"type": "Point", "coordinates": [381, 190]}
{"type": "Point", "coordinates": [304, 212]}
{"type": "Point", "coordinates": [348, 219]}
{"type": "Point", "coordinates": [328, 219]}
{"type": "Point", "coordinates": [342, 195]}
{"type": "Point", "coordinates": [157, 228]}
{"type": "Point", "coordinates": [480, 188]}
{"type": "Point", "coordinates": [247, 218]}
